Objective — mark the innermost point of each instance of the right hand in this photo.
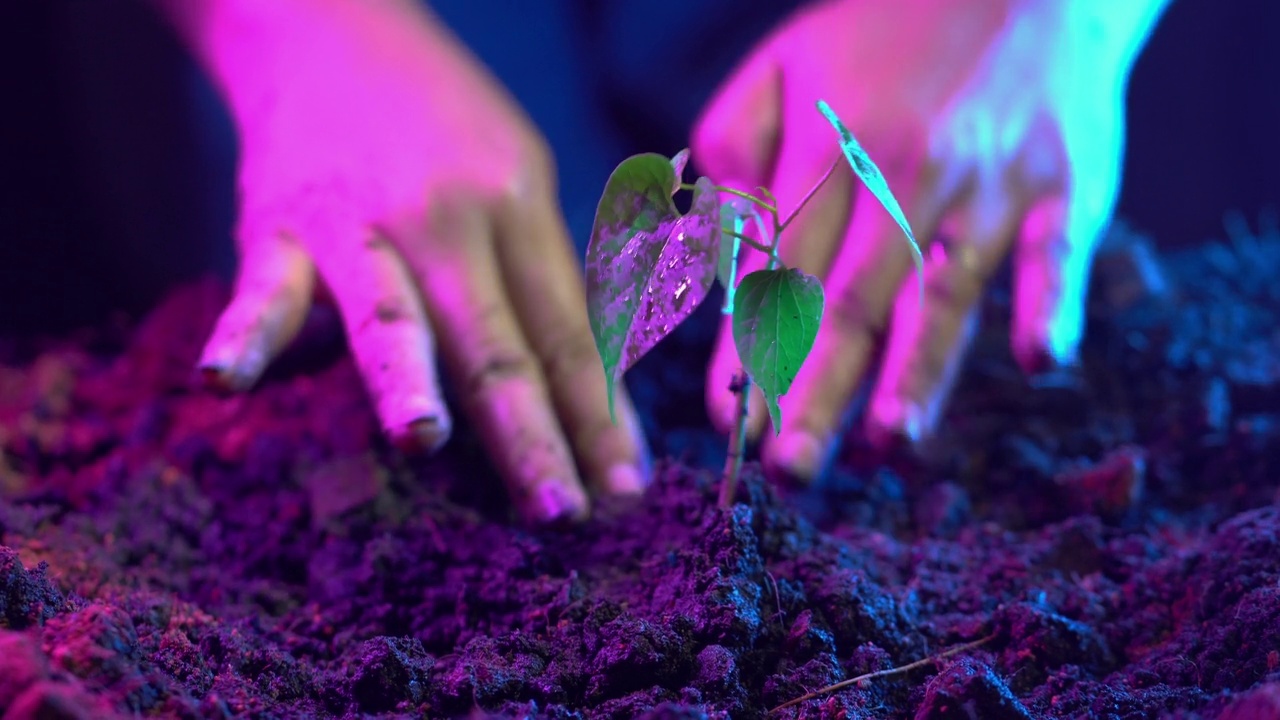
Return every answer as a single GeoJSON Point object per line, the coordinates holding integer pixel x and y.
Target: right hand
{"type": "Point", "coordinates": [998, 124]}
{"type": "Point", "coordinates": [379, 154]}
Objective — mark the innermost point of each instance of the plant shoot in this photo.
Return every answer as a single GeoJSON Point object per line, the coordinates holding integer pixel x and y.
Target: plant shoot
{"type": "Point", "coordinates": [649, 267]}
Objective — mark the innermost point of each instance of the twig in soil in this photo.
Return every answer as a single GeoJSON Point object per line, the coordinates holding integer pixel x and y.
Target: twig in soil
{"type": "Point", "coordinates": [437, 538]}
{"type": "Point", "coordinates": [883, 673]}
{"type": "Point", "coordinates": [777, 597]}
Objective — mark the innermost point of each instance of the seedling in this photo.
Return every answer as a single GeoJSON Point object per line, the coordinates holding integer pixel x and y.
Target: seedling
{"type": "Point", "coordinates": [649, 267]}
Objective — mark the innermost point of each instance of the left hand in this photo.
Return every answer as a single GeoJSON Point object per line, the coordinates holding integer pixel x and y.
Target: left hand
{"type": "Point", "coordinates": [380, 156]}
{"type": "Point", "coordinates": [997, 123]}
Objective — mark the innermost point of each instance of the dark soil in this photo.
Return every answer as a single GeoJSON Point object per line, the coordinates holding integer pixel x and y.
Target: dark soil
{"type": "Point", "coordinates": [172, 553]}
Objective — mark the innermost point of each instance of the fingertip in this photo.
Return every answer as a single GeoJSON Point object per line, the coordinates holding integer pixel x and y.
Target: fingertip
{"type": "Point", "coordinates": [411, 409]}
{"type": "Point", "coordinates": [894, 423]}
{"type": "Point", "coordinates": [235, 356]}
{"type": "Point", "coordinates": [216, 379]}
{"type": "Point", "coordinates": [1037, 355]}
{"type": "Point", "coordinates": [423, 435]}
{"type": "Point", "coordinates": [626, 480]}
{"type": "Point", "coordinates": [1050, 284]}
{"type": "Point", "coordinates": [629, 470]}
{"type": "Point", "coordinates": [267, 309]}
{"type": "Point", "coordinates": [796, 457]}
{"type": "Point", "coordinates": [919, 370]}
{"type": "Point", "coordinates": [556, 503]}
{"type": "Point", "coordinates": [1048, 317]}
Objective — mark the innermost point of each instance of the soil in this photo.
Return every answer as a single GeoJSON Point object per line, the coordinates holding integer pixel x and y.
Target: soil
{"type": "Point", "coordinates": [1112, 533]}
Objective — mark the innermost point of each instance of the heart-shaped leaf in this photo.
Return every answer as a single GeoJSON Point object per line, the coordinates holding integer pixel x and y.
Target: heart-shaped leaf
{"type": "Point", "coordinates": [648, 267]}
{"type": "Point", "coordinates": [775, 322]}
{"type": "Point", "coordinates": [875, 182]}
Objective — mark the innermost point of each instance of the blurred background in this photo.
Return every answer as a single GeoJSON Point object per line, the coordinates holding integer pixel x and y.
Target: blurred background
{"type": "Point", "coordinates": [117, 161]}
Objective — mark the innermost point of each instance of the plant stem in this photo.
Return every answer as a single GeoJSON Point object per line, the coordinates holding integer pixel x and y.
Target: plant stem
{"type": "Point", "coordinates": [732, 191]}
{"type": "Point", "coordinates": [755, 244]}
{"type": "Point", "coordinates": [812, 191]}
{"type": "Point", "coordinates": [748, 196]}
{"type": "Point", "coordinates": [741, 386]}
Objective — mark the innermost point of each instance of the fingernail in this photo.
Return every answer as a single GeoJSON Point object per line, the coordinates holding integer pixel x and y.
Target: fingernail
{"type": "Point", "coordinates": [893, 421]}
{"type": "Point", "coordinates": [225, 379]}
{"type": "Point", "coordinates": [225, 368]}
{"type": "Point", "coordinates": [551, 504]}
{"type": "Point", "coordinates": [214, 378]}
{"type": "Point", "coordinates": [424, 435]}
{"type": "Point", "coordinates": [625, 479]}
{"type": "Point", "coordinates": [1037, 359]}
{"type": "Point", "coordinates": [798, 456]}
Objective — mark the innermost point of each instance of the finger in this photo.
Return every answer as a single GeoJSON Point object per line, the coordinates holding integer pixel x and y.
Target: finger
{"type": "Point", "coordinates": [501, 382]}
{"type": "Point", "coordinates": [867, 273]}
{"type": "Point", "coordinates": [809, 243]}
{"type": "Point", "coordinates": [270, 301]}
{"type": "Point", "coordinates": [1059, 234]}
{"type": "Point", "coordinates": [1050, 276]}
{"type": "Point", "coordinates": [926, 344]}
{"type": "Point", "coordinates": [390, 336]}
{"type": "Point", "coordinates": [545, 281]}
{"type": "Point", "coordinates": [735, 138]}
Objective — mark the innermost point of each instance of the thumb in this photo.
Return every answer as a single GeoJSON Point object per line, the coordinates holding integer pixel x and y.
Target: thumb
{"type": "Point", "coordinates": [736, 137]}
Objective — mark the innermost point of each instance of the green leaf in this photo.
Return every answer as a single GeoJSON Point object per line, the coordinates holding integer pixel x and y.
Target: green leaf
{"type": "Point", "coordinates": [875, 182]}
{"type": "Point", "coordinates": [648, 267]}
{"type": "Point", "coordinates": [775, 323]}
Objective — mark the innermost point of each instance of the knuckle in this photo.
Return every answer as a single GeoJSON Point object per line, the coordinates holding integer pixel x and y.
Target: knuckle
{"type": "Point", "coordinates": [539, 161]}
{"type": "Point", "coordinates": [732, 151]}
{"type": "Point", "coordinates": [535, 181]}
{"type": "Point", "coordinates": [566, 356]}
{"type": "Point", "coordinates": [496, 368]}
{"type": "Point", "coordinates": [495, 362]}
{"type": "Point", "coordinates": [1042, 168]}
{"type": "Point", "coordinates": [939, 144]}
{"type": "Point", "coordinates": [708, 135]}
{"type": "Point", "coordinates": [598, 435]}
{"type": "Point", "coordinates": [952, 288]}
{"type": "Point", "coordinates": [388, 310]}
{"type": "Point", "coordinates": [854, 311]}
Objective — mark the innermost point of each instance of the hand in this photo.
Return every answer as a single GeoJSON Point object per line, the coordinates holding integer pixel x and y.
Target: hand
{"type": "Point", "coordinates": [997, 123]}
{"type": "Point", "coordinates": [378, 154]}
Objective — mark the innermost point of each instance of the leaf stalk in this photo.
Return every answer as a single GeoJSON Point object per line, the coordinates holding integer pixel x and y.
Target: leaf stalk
{"type": "Point", "coordinates": [741, 386]}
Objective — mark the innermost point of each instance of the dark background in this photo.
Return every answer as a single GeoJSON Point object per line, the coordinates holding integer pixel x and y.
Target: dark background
{"type": "Point", "coordinates": [117, 162]}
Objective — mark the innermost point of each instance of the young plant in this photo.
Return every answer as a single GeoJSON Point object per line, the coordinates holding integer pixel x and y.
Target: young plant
{"type": "Point", "coordinates": [649, 267]}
